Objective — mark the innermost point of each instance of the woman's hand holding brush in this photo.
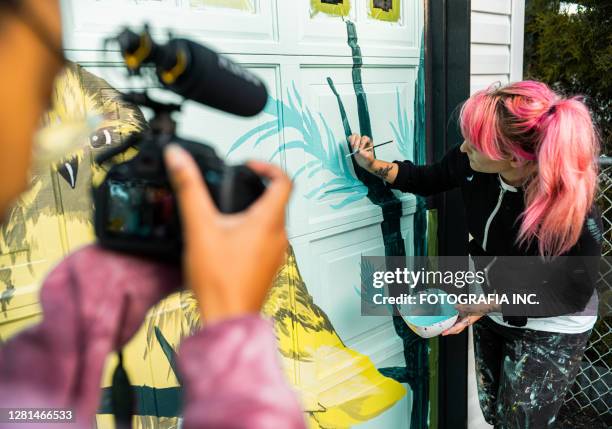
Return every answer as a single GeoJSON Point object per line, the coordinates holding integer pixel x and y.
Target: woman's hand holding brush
{"type": "Point", "coordinates": [363, 151]}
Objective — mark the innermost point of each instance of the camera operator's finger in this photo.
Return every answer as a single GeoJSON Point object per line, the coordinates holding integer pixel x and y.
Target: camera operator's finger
{"type": "Point", "coordinates": [277, 193]}
{"type": "Point", "coordinates": [193, 196]}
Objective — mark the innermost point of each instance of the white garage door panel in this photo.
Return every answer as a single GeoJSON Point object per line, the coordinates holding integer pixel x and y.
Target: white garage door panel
{"type": "Point", "coordinates": [332, 274]}
{"type": "Point", "coordinates": [331, 269]}
{"type": "Point", "coordinates": [321, 30]}
{"type": "Point", "coordinates": [376, 38]}
{"type": "Point", "coordinates": [382, 38]}
{"type": "Point", "coordinates": [88, 22]}
{"type": "Point", "coordinates": [328, 207]}
{"type": "Point", "coordinates": [336, 290]}
{"type": "Point", "coordinates": [309, 248]}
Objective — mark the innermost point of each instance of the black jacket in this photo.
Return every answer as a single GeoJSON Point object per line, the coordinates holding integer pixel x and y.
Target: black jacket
{"type": "Point", "coordinates": [492, 207]}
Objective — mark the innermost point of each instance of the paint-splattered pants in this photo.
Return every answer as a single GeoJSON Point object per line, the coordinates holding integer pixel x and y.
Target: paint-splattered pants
{"type": "Point", "coordinates": [523, 374]}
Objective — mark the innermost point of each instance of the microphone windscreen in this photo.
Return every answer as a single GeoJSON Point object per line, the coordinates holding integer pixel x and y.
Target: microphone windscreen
{"type": "Point", "coordinates": [216, 81]}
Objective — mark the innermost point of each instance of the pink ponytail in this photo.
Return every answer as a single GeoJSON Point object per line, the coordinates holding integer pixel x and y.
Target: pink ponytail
{"type": "Point", "coordinates": [528, 121]}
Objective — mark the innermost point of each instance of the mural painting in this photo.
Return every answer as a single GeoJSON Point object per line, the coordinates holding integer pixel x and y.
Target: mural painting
{"type": "Point", "coordinates": [355, 184]}
{"type": "Point", "coordinates": [56, 213]}
{"type": "Point", "coordinates": [149, 357]}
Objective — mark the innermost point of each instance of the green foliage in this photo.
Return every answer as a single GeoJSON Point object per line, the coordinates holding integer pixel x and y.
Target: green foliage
{"type": "Point", "coordinates": [572, 52]}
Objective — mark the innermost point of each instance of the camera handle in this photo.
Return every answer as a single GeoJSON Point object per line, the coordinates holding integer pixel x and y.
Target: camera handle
{"type": "Point", "coordinates": [161, 124]}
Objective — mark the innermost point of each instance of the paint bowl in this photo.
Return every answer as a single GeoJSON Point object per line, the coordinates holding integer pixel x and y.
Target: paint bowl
{"type": "Point", "coordinates": [429, 320]}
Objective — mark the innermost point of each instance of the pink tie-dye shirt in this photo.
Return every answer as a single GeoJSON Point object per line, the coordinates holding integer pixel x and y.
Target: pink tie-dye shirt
{"type": "Point", "coordinates": [93, 302]}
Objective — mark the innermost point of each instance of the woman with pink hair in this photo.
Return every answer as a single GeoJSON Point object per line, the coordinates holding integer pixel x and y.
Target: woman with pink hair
{"type": "Point", "coordinates": [527, 171]}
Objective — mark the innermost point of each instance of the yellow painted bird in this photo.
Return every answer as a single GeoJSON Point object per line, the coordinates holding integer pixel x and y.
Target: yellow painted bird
{"type": "Point", "coordinates": [339, 387]}
{"type": "Point", "coordinates": [54, 216]}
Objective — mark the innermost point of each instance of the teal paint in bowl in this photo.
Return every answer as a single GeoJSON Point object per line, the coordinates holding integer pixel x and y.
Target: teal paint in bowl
{"type": "Point", "coordinates": [426, 320]}
{"type": "Point", "coordinates": [429, 320]}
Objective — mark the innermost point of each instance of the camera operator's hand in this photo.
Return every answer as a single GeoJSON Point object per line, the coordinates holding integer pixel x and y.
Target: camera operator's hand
{"type": "Point", "coordinates": [230, 260]}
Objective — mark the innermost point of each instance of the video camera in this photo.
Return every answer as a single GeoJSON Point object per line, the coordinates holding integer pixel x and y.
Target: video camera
{"type": "Point", "coordinates": [135, 205]}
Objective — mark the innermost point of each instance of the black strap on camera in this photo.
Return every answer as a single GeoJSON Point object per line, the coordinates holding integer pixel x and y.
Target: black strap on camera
{"type": "Point", "coordinates": [122, 396]}
{"type": "Point", "coordinates": [122, 393]}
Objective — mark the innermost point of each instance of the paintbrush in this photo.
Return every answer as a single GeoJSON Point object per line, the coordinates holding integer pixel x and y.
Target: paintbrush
{"type": "Point", "coordinates": [370, 148]}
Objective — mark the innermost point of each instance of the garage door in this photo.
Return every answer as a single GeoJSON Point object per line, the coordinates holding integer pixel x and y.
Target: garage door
{"type": "Point", "coordinates": [331, 67]}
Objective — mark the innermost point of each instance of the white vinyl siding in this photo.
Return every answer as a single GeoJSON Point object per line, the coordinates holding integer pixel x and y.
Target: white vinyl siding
{"type": "Point", "coordinates": [496, 42]}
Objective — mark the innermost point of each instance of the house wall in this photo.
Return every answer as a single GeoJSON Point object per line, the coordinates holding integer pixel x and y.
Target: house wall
{"type": "Point", "coordinates": [497, 42]}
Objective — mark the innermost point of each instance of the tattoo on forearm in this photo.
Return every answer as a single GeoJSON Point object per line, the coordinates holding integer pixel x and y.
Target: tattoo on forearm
{"type": "Point", "coordinates": [383, 172]}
